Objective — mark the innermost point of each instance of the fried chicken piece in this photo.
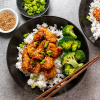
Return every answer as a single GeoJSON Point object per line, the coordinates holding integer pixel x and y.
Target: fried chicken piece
{"type": "Point", "coordinates": [50, 73]}
{"type": "Point", "coordinates": [56, 51]}
{"type": "Point", "coordinates": [34, 66]}
{"type": "Point", "coordinates": [31, 48]}
{"type": "Point", "coordinates": [48, 63]}
{"type": "Point", "coordinates": [25, 60]}
{"type": "Point", "coordinates": [36, 54]}
{"type": "Point", "coordinates": [43, 33]}
{"type": "Point", "coordinates": [51, 37]}
{"type": "Point", "coordinates": [96, 13]}
{"type": "Point", "coordinates": [39, 35]}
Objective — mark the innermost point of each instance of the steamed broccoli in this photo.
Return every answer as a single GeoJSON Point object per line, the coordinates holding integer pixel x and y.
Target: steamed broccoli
{"type": "Point", "coordinates": [68, 31]}
{"type": "Point", "coordinates": [68, 58]}
{"type": "Point", "coordinates": [68, 69]}
{"type": "Point", "coordinates": [76, 45]}
{"type": "Point", "coordinates": [80, 56]}
{"type": "Point", "coordinates": [68, 43]}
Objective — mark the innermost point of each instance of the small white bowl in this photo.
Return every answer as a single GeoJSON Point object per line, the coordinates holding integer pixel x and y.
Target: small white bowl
{"type": "Point", "coordinates": [16, 16]}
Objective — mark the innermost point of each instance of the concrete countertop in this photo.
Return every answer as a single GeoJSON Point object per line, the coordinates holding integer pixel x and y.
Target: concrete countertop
{"type": "Point", "coordinates": [87, 89]}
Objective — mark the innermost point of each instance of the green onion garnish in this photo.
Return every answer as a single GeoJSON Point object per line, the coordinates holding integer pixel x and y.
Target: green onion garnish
{"type": "Point", "coordinates": [49, 52]}
{"type": "Point", "coordinates": [25, 35]}
{"type": "Point", "coordinates": [46, 44]}
{"type": "Point", "coordinates": [43, 61]}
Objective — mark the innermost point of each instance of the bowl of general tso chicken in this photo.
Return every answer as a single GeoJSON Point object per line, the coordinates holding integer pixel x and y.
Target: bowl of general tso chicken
{"type": "Point", "coordinates": [45, 50]}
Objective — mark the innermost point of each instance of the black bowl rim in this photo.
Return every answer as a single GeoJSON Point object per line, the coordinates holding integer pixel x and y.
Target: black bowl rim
{"type": "Point", "coordinates": [29, 21]}
{"type": "Point", "coordinates": [37, 14]}
{"type": "Point", "coordinates": [83, 28]}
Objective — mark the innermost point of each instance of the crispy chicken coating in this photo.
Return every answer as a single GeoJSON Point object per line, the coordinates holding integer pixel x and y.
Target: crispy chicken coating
{"type": "Point", "coordinates": [48, 63]}
{"type": "Point", "coordinates": [50, 73]}
{"type": "Point", "coordinates": [36, 54]}
{"type": "Point", "coordinates": [43, 33]}
{"type": "Point", "coordinates": [56, 51]}
{"type": "Point", "coordinates": [51, 37]}
{"type": "Point", "coordinates": [39, 35]}
{"type": "Point", "coordinates": [31, 48]}
{"type": "Point", "coordinates": [25, 60]}
{"type": "Point", "coordinates": [34, 66]}
{"type": "Point", "coordinates": [96, 13]}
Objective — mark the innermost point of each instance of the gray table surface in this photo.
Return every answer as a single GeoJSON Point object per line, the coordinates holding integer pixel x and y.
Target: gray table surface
{"type": "Point", "coordinates": [87, 89]}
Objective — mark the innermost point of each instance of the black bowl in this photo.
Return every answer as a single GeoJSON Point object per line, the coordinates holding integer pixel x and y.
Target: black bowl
{"type": "Point", "coordinates": [23, 12]}
{"type": "Point", "coordinates": [86, 24]}
{"type": "Point", "coordinates": [17, 38]}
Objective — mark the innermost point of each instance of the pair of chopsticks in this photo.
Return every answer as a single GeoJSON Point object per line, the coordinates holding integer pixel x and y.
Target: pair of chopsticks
{"type": "Point", "coordinates": [67, 79]}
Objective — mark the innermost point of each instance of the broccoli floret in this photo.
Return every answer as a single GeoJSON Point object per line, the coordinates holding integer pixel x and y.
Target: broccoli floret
{"type": "Point", "coordinates": [68, 43]}
{"type": "Point", "coordinates": [76, 45]}
{"type": "Point", "coordinates": [68, 31]}
{"type": "Point", "coordinates": [68, 58]}
{"type": "Point", "coordinates": [80, 56]}
{"type": "Point", "coordinates": [79, 65]}
{"type": "Point", "coordinates": [68, 69]}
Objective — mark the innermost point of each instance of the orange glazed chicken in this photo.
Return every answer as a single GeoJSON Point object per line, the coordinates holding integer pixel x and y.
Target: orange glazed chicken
{"type": "Point", "coordinates": [25, 60]}
{"type": "Point", "coordinates": [96, 13]}
{"type": "Point", "coordinates": [50, 73]}
{"type": "Point", "coordinates": [39, 55]}
{"type": "Point", "coordinates": [49, 61]}
{"type": "Point", "coordinates": [36, 54]}
{"type": "Point", "coordinates": [43, 33]}
{"type": "Point", "coordinates": [34, 66]}
{"type": "Point", "coordinates": [56, 51]}
{"type": "Point", "coordinates": [31, 48]}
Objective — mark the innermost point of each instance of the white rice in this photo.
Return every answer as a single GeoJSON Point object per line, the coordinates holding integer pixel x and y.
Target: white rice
{"type": "Point", "coordinates": [95, 26]}
{"type": "Point", "coordinates": [41, 82]}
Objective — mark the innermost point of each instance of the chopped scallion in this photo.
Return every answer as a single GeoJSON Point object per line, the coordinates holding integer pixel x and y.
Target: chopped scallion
{"type": "Point", "coordinates": [46, 44]}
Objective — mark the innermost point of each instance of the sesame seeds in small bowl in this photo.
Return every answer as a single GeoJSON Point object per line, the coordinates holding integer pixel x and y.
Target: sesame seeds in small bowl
{"type": "Point", "coordinates": [8, 20]}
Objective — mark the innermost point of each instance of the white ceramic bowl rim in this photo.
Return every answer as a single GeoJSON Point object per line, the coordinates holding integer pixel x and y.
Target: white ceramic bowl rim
{"type": "Point", "coordinates": [16, 16]}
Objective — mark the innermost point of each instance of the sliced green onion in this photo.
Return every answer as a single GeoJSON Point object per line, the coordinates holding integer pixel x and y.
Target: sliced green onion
{"type": "Point", "coordinates": [87, 17]}
{"type": "Point", "coordinates": [34, 77]}
{"type": "Point", "coordinates": [43, 61]}
{"type": "Point", "coordinates": [25, 35]}
{"type": "Point", "coordinates": [33, 86]}
{"type": "Point", "coordinates": [43, 53]}
{"type": "Point", "coordinates": [37, 42]}
{"type": "Point", "coordinates": [46, 44]}
{"type": "Point", "coordinates": [33, 63]}
{"type": "Point", "coordinates": [49, 52]}
{"type": "Point", "coordinates": [24, 43]}
{"type": "Point", "coordinates": [21, 45]}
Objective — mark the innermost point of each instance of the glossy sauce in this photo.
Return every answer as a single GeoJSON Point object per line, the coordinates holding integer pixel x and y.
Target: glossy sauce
{"type": "Point", "coordinates": [96, 13]}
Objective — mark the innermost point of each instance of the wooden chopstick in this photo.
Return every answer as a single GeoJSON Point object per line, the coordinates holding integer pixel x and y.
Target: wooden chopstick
{"type": "Point", "coordinates": [51, 94]}
{"type": "Point", "coordinates": [88, 63]}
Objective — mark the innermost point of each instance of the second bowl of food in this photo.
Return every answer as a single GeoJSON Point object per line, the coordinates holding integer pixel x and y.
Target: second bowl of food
{"type": "Point", "coordinates": [45, 50]}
